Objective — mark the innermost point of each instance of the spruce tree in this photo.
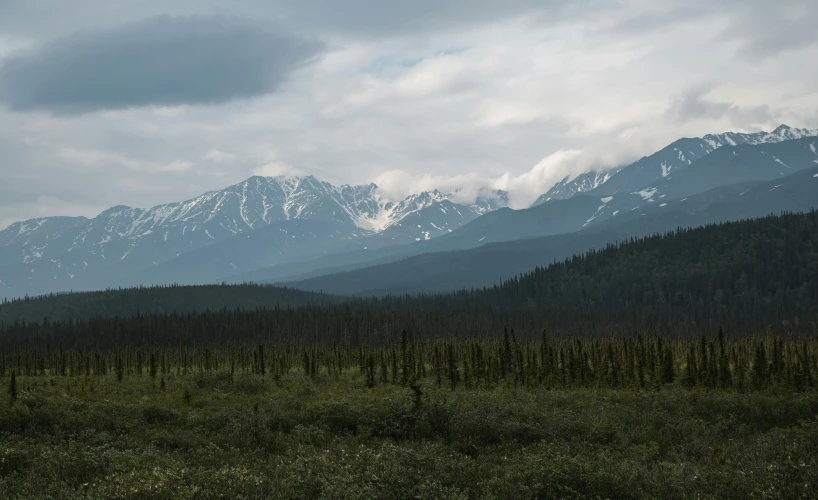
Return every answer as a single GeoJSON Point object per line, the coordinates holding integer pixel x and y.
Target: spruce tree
{"type": "Point", "coordinates": [454, 375]}
{"type": "Point", "coordinates": [152, 367]}
{"type": "Point", "coordinates": [760, 371]}
{"type": "Point", "coordinates": [13, 388]}
{"type": "Point", "coordinates": [370, 371]}
{"type": "Point", "coordinates": [261, 368]}
{"type": "Point", "coordinates": [120, 369]}
{"type": "Point", "coordinates": [404, 358]}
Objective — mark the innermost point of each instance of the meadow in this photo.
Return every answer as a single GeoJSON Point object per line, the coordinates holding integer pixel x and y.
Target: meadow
{"type": "Point", "coordinates": [320, 422]}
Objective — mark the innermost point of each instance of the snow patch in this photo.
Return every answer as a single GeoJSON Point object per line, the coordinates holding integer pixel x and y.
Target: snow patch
{"type": "Point", "coordinates": [781, 162]}
{"type": "Point", "coordinates": [646, 194]}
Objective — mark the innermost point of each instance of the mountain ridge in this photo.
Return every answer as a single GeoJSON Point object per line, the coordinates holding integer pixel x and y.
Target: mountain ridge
{"type": "Point", "coordinates": [78, 253]}
{"type": "Point", "coordinates": [673, 157]}
{"type": "Point", "coordinates": [446, 270]}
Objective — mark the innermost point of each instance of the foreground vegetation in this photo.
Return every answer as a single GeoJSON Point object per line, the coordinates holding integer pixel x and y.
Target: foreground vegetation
{"type": "Point", "coordinates": [492, 418]}
{"type": "Point", "coordinates": [216, 436]}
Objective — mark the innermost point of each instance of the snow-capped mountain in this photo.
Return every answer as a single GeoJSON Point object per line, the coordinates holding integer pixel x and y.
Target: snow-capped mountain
{"type": "Point", "coordinates": [737, 167]}
{"type": "Point", "coordinates": [62, 253]}
{"type": "Point", "coordinates": [661, 164]}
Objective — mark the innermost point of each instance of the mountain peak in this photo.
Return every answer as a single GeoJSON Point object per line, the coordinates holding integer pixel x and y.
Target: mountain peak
{"type": "Point", "coordinates": [663, 163]}
{"type": "Point", "coordinates": [117, 209]}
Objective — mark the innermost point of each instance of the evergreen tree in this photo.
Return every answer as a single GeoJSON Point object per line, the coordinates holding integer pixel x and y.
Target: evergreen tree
{"type": "Point", "coordinates": [760, 370]}
{"type": "Point", "coordinates": [13, 388]}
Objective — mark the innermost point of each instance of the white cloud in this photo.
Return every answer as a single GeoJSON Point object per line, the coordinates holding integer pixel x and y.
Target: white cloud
{"type": "Point", "coordinates": [217, 156]}
{"type": "Point", "coordinates": [275, 169]}
{"type": "Point", "coordinates": [523, 189]}
{"type": "Point", "coordinates": [94, 157]}
{"type": "Point", "coordinates": [176, 166]}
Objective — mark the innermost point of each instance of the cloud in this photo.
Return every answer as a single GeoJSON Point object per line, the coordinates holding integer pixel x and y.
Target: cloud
{"type": "Point", "coordinates": [522, 189]}
{"type": "Point", "coordinates": [451, 94]}
{"type": "Point", "coordinates": [360, 18]}
{"type": "Point", "coordinates": [97, 158]}
{"type": "Point", "coordinates": [176, 166]}
{"type": "Point", "coordinates": [217, 156]}
{"type": "Point", "coordinates": [161, 61]}
{"type": "Point", "coordinates": [766, 29]}
{"type": "Point", "coordinates": [693, 105]}
{"type": "Point", "coordinates": [276, 168]}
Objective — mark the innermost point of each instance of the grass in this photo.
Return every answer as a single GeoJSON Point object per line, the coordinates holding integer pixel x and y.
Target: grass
{"type": "Point", "coordinates": [217, 436]}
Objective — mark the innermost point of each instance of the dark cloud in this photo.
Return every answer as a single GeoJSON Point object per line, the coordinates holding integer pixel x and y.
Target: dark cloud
{"type": "Point", "coordinates": [158, 61]}
{"type": "Point", "coordinates": [693, 105]}
{"type": "Point", "coordinates": [766, 29]}
{"type": "Point", "coordinates": [350, 17]}
{"type": "Point", "coordinates": [651, 21]}
{"type": "Point", "coordinates": [11, 195]}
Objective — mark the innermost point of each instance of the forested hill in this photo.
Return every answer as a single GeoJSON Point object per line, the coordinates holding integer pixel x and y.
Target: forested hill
{"type": "Point", "coordinates": [745, 276]}
{"type": "Point", "coordinates": [743, 269]}
{"type": "Point", "coordinates": [155, 300]}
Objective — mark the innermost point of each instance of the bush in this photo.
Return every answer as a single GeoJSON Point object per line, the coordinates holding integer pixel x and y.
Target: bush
{"type": "Point", "coordinates": [156, 415]}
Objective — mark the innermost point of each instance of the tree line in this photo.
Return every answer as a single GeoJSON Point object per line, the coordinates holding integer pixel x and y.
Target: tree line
{"type": "Point", "coordinates": [637, 362]}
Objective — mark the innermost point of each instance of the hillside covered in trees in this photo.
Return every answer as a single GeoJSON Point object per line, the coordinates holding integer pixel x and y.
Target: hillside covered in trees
{"type": "Point", "coordinates": [154, 300]}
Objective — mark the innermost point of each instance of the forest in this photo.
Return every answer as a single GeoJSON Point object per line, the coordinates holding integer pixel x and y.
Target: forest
{"type": "Point", "coordinates": [681, 365]}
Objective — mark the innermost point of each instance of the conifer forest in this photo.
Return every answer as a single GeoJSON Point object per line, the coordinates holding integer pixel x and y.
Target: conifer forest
{"type": "Point", "coordinates": [680, 365]}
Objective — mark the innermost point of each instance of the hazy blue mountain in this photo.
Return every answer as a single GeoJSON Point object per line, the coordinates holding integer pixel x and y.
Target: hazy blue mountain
{"type": "Point", "coordinates": [273, 228]}
{"type": "Point", "coordinates": [664, 163]}
{"type": "Point", "coordinates": [298, 217]}
{"type": "Point", "coordinates": [488, 264]}
{"type": "Point", "coordinates": [735, 164]}
{"type": "Point", "coordinates": [728, 165]}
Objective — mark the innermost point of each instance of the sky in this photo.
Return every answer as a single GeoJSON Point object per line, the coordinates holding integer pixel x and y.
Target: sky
{"type": "Point", "coordinates": [141, 102]}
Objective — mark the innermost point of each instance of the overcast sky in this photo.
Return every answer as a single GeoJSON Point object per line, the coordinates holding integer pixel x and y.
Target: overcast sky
{"type": "Point", "coordinates": [144, 102]}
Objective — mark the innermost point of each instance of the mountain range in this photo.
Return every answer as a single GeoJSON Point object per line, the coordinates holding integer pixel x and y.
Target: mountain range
{"type": "Point", "coordinates": [297, 229]}
{"type": "Point", "coordinates": [724, 167]}
{"type": "Point", "coordinates": [664, 162]}
{"type": "Point", "coordinates": [439, 271]}
{"type": "Point", "coordinates": [258, 222]}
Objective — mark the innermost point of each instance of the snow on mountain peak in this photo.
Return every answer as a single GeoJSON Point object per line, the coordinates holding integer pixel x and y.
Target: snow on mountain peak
{"type": "Point", "coordinates": [663, 163]}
